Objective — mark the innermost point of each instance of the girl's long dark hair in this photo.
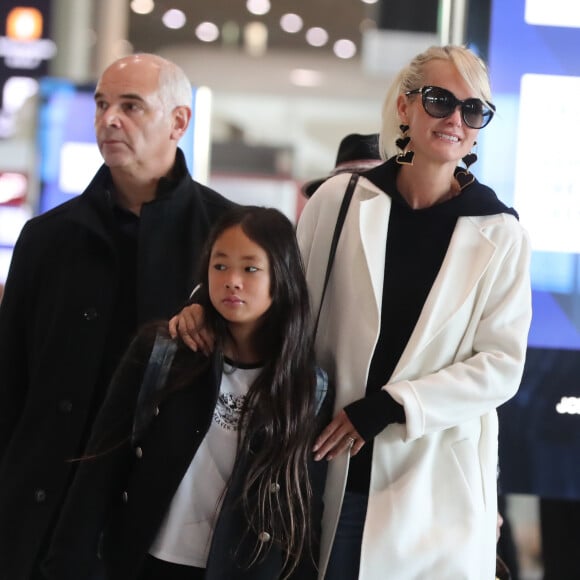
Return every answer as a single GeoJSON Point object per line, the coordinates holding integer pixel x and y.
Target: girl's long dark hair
{"type": "Point", "coordinates": [280, 406]}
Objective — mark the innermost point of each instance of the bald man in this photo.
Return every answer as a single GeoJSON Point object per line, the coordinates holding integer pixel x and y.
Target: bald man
{"type": "Point", "coordinates": [83, 277]}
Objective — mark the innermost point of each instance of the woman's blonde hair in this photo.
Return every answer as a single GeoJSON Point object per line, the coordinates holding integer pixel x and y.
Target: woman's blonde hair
{"type": "Point", "coordinates": [471, 68]}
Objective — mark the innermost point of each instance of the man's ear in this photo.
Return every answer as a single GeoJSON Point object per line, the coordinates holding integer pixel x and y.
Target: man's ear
{"type": "Point", "coordinates": [181, 117]}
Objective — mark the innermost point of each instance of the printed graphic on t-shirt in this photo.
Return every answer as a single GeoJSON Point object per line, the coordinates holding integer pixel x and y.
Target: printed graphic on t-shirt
{"type": "Point", "coordinates": [228, 410]}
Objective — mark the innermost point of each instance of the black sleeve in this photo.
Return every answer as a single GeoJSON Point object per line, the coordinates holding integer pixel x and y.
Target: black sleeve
{"type": "Point", "coordinates": [15, 307]}
{"type": "Point", "coordinates": [374, 413]}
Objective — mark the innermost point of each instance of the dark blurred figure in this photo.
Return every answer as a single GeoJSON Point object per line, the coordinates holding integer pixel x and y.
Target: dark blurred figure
{"type": "Point", "coordinates": [507, 564]}
{"type": "Point", "coordinates": [560, 534]}
{"type": "Point", "coordinates": [356, 153]}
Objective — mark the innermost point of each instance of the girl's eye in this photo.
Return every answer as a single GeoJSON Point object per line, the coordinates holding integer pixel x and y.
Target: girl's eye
{"type": "Point", "coordinates": [219, 267]}
{"type": "Point", "coordinates": [251, 269]}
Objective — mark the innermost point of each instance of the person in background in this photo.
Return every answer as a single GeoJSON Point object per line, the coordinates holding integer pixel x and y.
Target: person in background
{"type": "Point", "coordinates": [356, 153]}
{"type": "Point", "coordinates": [83, 277]}
{"type": "Point", "coordinates": [507, 551]}
{"type": "Point", "coordinates": [423, 329]}
{"type": "Point", "coordinates": [559, 533]}
{"type": "Point", "coordinates": [220, 481]}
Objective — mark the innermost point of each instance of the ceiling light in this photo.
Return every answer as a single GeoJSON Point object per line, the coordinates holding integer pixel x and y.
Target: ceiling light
{"type": "Point", "coordinates": [291, 23]}
{"type": "Point", "coordinates": [174, 19]}
{"type": "Point", "coordinates": [344, 48]}
{"type": "Point", "coordinates": [316, 36]}
{"type": "Point", "coordinates": [370, 1]}
{"type": "Point", "coordinates": [258, 7]}
{"type": "Point", "coordinates": [142, 6]}
{"type": "Point", "coordinates": [255, 38]}
{"type": "Point", "coordinates": [304, 77]}
{"type": "Point", "coordinates": [207, 31]}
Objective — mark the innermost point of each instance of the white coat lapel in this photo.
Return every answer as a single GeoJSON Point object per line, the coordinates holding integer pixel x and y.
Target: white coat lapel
{"type": "Point", "coordinates": [373, 224]}
{"type": "Point", "coordinates": [467, 258]}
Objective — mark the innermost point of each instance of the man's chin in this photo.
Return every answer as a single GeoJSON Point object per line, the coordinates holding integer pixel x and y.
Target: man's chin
{"type": "Point", "coordinates": [114, 160]}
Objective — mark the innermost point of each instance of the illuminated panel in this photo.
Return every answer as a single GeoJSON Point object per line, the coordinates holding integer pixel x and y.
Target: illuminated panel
{"type": "Point", "coordinates": [553, 226]}
{"type": "Point", "coordinates": [564, 13]}
{"type": "Point", "coordinates": [24, 24]}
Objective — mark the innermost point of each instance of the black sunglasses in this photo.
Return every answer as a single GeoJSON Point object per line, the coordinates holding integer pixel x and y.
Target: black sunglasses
{"type": "Point", "coordinates": [441, 103]}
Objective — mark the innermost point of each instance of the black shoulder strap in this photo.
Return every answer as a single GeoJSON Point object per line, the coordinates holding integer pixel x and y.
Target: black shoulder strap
{"type": "Point", "coordinates": [333, 245]}
{"type": "Point", "coordinates": [153, 381]}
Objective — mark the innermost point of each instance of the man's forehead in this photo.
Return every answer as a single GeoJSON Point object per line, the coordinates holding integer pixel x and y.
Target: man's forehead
{"type": "Point", "coordinates": [137, 89]}
{"type": "Point", "coordinates": [129, 79]}
{"type": "Point", "coordinates": [132, 94]}
{"type": "Point", "coordinates": [135, 64]}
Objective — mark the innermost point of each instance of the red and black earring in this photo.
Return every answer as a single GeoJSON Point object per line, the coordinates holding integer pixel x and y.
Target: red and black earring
{"type": "Point", "coordinates": [405, 157]}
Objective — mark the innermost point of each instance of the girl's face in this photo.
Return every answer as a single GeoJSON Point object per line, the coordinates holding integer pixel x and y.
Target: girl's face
{"type": "Point", "coordinates": [239, 279]}
{"type": "Point", "coordinates": [444, 140]}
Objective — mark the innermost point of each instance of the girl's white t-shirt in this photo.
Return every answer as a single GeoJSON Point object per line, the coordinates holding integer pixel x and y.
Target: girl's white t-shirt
{"type": "Point", "coordinates": [185, 534]}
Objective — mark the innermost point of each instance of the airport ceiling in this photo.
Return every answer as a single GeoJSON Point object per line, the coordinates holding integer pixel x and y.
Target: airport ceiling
{"type": "Point", "coordinates": [342, 19]}
{"type": "Point", "coordinates": [227, 65]}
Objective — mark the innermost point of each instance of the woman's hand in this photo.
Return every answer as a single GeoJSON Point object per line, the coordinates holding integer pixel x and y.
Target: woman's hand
{"type": "Point", "coordinates": [339, 436]}
{"type": "Point", "coordinates": [189, 325]}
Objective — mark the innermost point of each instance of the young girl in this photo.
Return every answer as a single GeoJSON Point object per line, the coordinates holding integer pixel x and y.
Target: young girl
{"type": "Point", "coordinates": [209, 473]}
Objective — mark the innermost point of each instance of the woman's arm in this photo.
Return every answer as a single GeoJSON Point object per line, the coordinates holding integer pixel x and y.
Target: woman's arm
{"type": "Point", "coordinates": [490, 373]}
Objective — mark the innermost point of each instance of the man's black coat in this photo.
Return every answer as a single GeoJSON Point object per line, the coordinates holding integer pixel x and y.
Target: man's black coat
{"type": "Point", "coordinates": [60, 341]}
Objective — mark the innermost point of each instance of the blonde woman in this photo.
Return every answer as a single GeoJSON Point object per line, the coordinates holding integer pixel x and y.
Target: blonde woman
{"type": "Point", "coordinates": [423, 329]}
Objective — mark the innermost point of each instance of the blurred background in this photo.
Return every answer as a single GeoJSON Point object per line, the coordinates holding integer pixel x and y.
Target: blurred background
{"type": "Point", "coordinates": [277, 85]}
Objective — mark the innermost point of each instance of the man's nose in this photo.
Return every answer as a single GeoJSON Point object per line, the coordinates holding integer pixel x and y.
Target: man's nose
{"type": "Point", "coordinates": [111, 117]}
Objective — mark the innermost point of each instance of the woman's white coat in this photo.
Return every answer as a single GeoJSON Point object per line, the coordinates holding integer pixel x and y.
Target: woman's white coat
{"type": "Point", "coordinates": [432, 504]}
